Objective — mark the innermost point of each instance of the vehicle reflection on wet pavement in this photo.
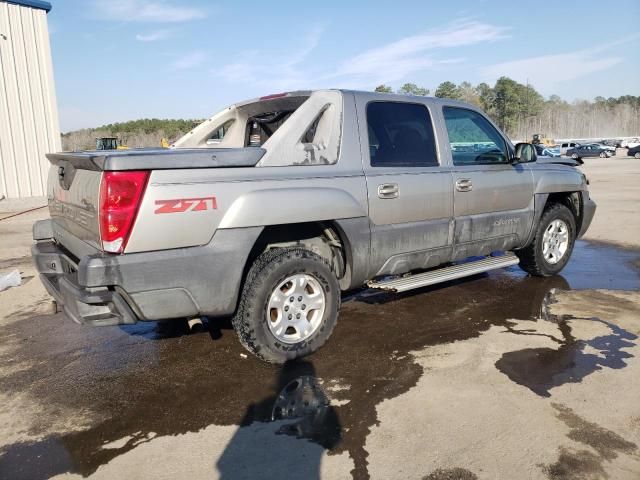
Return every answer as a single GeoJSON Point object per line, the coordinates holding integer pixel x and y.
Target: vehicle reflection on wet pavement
{"type": "Point", "coordinates": [133, 384]}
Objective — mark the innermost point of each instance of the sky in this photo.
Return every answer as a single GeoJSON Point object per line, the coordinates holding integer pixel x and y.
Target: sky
{"type": "Point", "coordinates": [118, 60]}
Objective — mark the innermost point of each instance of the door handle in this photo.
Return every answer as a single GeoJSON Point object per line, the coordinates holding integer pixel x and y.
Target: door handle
{"type": "Point", "coordinates": [388, 190]}
{"type": "Point", "coordinates": [464, 185]}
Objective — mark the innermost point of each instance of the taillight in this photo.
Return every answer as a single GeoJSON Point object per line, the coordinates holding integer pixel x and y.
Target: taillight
{"type": "Point", "coordinates": [120, 197]}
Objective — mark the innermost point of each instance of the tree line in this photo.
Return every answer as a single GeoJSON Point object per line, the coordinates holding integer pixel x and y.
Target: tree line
{"type": "Point", "coordinates": [521, 111]}
{"type": "Point", "coordinates": [518, 109]}
{"type": "Point", "coordinates": [144, 132]}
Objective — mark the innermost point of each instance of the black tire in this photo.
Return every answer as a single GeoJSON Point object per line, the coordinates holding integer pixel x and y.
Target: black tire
{"type": "Point", "coordinates": [531, 258]}
{"type": "Point", "coordinates": [603, 155]}
{"type": "Point", "coordinates": [266, 273]}
{"type": "Point", "coordinates": [636, 155]}
{"type": "Point", "coordinates": [574, 156]}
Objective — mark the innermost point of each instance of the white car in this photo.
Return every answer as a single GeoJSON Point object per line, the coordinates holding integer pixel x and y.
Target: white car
{"type": "Point", "coordinates": [567, 145]}
{"type": "Point", "coordinates": [630, 143]}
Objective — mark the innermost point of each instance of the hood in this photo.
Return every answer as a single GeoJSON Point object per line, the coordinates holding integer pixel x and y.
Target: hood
{"type": "Point", "coordinates": [560, 160]}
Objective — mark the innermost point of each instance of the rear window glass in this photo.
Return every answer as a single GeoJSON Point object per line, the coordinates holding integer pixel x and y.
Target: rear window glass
{"type": "Point", "coordinates": [261, 127]}
{"type": "Point", "coordinates": [400, 135]}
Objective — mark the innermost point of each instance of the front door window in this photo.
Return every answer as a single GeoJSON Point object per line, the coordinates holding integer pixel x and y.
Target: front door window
{"type": "Point", "coordinates": [473, 140]}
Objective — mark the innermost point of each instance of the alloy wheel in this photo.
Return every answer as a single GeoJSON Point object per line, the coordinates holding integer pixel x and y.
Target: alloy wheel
{"type": "Point", "coordinates": [295, 308]}
{"type": "Point", "coordinates": [555, 241]}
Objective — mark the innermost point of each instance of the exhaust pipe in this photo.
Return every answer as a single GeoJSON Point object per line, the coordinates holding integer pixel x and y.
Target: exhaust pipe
{"type": "Point", "coordinates": [195, 325]}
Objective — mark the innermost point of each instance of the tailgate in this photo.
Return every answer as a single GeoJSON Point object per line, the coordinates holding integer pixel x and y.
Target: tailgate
{"type": "Point", "coordinates": [74, 195]}
{"type": "Point", "coordinates": [75, 177]}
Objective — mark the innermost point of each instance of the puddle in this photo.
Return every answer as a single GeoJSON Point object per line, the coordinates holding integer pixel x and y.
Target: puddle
{"type": "Point", "coordinates": [541, 369]}
{"type": "Point", "coordinates": [608, 444]}
{"type": "Point", "coordinates": [602, 266]}
{"type": "Point", "coordinates": [141, 382]}
{"type": "Point", "coordinates": [451, 474]}
{"type": "Point", "coordinates": [575, 465]}
{"type": "Point", "coordinates": [578, 464]}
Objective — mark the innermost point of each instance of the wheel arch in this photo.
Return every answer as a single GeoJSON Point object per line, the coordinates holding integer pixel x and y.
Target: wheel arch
{"type": "Point", "coordinates": [325, 238]}
{"type": "Point", "coordinates": [573, 200]}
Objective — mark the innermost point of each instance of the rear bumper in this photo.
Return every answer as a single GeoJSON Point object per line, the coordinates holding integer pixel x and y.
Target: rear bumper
{"type": "Point", "coordinates": [102, 289]}
{"type": "Point", "coordinates": [93, 306]}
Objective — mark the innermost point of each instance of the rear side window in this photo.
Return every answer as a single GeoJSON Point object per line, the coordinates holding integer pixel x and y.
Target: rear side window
{"type": "Point", "coordinates": [400, 135]}
{"type": "Point", "coordinates": [473, 140]}
{"type": "Point", "coordinates": [219, 133]}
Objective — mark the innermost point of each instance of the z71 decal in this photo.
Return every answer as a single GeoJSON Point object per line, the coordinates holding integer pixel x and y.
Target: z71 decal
{"type": "Point", "coordinates": [179, 205]}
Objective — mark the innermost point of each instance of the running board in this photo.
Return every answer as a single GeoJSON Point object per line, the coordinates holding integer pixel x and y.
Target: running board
{"type": "Point", "coordinates": [445, 274]}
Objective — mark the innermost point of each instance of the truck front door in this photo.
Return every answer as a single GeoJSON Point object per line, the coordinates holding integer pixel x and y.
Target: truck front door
{"type": "Point", "coordinates": [493, 198]}
{"type": "Point", "coordinates": [409, 193]}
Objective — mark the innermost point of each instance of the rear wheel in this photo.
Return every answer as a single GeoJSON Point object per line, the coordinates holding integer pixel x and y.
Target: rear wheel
{"type": "Point", "coordinates": [289, 305]}
{"type": "Point", "coordinates": [551, 247]}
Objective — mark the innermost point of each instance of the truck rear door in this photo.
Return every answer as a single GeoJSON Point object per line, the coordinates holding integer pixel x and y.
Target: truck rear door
{"type": "Point", "coordinates": [409, 192]}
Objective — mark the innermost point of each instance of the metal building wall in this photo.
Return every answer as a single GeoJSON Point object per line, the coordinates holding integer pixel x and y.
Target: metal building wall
{"type": "Point", "coordinates": [28, 113]}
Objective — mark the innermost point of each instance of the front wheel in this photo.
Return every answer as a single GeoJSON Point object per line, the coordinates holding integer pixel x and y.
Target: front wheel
{"type": "Point", "coordinates": [603, 155]}
{"type": "Point", "coordinates": [636, 155]}
{"type": "Point", "coordinates": [551, 247]}
{"type": "Point", "coordinates": [574, 156]}
{"type": "Point", "coordinates": [289, 305]}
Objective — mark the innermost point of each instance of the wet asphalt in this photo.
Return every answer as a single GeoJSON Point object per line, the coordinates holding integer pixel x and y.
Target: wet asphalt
{"type": "Point", "coordinates": [149, 380]}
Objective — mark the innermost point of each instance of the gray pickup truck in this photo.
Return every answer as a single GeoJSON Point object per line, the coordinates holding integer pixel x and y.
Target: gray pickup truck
{"type": "Point", "coordinates": [269, 210]}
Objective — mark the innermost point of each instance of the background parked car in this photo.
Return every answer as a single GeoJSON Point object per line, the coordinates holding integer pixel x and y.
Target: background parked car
{"type": "Point", "coordinates": [634, 152]}
{"type": "Point", "coordinates": [543, 151]}
{"type": "Point", "coordinates": [566, 146]}
{"type": "Point", "coordinates": [551, 152]}
{"type": "Point", "coordinates": [630, 143]}
{"type": "Point", "coordinates": [590, 150]}
{"type": "Point", "coordinates": [605, 146]}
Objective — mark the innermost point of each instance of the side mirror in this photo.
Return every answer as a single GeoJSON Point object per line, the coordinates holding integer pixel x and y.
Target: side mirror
{"type": "Point", "coordinates": [525, 152]}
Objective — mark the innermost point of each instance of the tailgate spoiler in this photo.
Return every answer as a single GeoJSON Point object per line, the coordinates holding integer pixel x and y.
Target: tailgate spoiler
{"type": "Point", "coordinates": [159, 158]}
